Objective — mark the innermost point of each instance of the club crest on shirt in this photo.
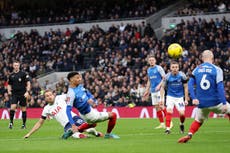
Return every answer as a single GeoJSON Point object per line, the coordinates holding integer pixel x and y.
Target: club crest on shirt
{"type": "Point", "coordinates": [19, 79]}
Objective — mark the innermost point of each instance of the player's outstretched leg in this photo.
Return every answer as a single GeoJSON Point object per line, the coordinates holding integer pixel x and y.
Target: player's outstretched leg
{"type": "Point", "coordinates": [79, 135]}
{"type": "Point", "coordinates": [181, 128]}
{"type": "Point", "coordinates": [185, 139]}
{"type": "Point", "coordinates": [85, 126]}
{"type": "Point", "coordinates": [161, 119]}
{"type": "Point", "coordinates": [168, 122]}
{"type": "Point", "coordinates": [193, 129]}
{"type": "Point", "coordinates": [182, 119]}
{"type": "Point", "coordinates": [111, 124]}
{"type": "Point", "coordinates": [11, 119]}
{"type": "Point", "coordinates": [94, 132]}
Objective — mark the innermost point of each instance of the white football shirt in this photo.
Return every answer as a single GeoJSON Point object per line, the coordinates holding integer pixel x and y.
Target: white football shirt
{"type": "Point", "coordinates": [57, 110]}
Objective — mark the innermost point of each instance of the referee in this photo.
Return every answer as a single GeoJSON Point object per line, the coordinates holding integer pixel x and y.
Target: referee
{"type": "Point", "coordinates": [18, 88]}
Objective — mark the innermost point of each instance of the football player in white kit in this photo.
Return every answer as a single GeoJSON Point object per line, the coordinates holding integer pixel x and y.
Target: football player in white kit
{"type": "Point", "coordinates": [56, 108]}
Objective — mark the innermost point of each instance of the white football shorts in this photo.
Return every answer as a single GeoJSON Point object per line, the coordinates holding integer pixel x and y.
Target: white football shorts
{"type": "Point", "coordinates": [94, 116]}
{"type": "Point", "coordinates": [174, 101]}
{"type": "Point", "coordinates": [156, 97]}
{"type": "Point", "coordinates": [203, 113]}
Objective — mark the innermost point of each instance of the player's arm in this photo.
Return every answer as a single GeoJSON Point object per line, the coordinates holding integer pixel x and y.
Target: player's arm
{"type": "Point", "coordinates": [158, 87]}
{"type": "Point", "coordinates": [35, 127]}
{"type": "Point", "coordinates": [162, 90]}
{"type": "Point", "coordinates": [9, 89]}
{"type": "Point", "coordinates": [162, 72]}
{"type": "Point", "coordinates": [221, 93]}
{"type": "Point", "coordinates": [69, 101]}
{"type": "Point", "coordinates": [28, 86]}
{"type": "Point", "coordinates": [186, 93]}
{"type": "Point", "coordinates": [191, 84]}
{"type": "Point", "coordinates": [92, 102]}
{"type": "Point", "coordinates": [220, 87]}
{"type": "Point", "coordinates": [185, 84]}
{"type": "Point", "coordinates": [162, 94]}
{"type": "Point", "coordinates": [91, 99]}
{"type": "Point", "coordinates": [147, 89]}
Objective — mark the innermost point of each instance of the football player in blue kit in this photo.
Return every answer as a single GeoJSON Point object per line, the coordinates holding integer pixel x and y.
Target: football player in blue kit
{"type": "Point", "coordinates": [206, 89]}
{"type": "Point", "coordinates": [177, 94]}
{"type": "Point", "coordinates": [156, 75]}
{"type": "Point", "coordinates": [84, 101]}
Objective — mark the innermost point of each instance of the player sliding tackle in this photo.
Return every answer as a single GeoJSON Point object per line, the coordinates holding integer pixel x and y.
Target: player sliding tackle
{"type": "Point", "coordinates": [209, 93]}
{"type": "Point", "coordinates": [83, 100]}
{"type": "Point", "coordinates": [56, 108]}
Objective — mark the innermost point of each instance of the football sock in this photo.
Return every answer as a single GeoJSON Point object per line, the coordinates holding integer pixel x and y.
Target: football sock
{"type": "Point", "coordinates": [92, 125]}
{"type": "Point", "coordinates": [182, 118]}
{"type": "Point", "coordinates": [194, 127]}
{"type": "Point", "coordinates": [160, 116]}
{"type": "Point", "coordinates": [168, 119]}
{"type": "Point", "coordinates": [24, 117]}
{"type": "Point", "coordinates": [12, 116]}
{"type": "Point", "coordinates": [83, 126]}
{"type": "Point", "coordinates": [112, 122]}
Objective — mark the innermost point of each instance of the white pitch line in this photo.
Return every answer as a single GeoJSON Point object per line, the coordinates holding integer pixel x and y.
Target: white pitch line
{"type": "Point", "coordinates": [121, 135]}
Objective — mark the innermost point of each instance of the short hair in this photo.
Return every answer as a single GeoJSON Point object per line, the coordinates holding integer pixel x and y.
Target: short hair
{"type": "Point", "coordinates": [48, 90]}
{"type": "Point", "coordinates": [151, 56]}
{"type": "Point", "coordinates": [72, 74]}
{"type": "Point", "coordinates": [16, 61]}
{"type": "Point", "coordinates": [174, 62]}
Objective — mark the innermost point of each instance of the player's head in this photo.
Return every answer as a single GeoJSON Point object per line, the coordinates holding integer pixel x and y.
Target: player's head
{"type": "Point", "coordinates": [174, 67]}
{"type": "Point", "coordinates": [49, 96]}
{"type": "Point", "coordinates": [74, 78]}
{"type": "Point", "coordinates": [152, 60]}
{"type": "Point", "coordinates": [207, 56]}
{"type": "Point", "coordinates": [16, 66]}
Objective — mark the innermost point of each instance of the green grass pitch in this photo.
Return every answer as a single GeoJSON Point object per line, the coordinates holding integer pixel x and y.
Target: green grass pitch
{"type": "Point", "coordinates": [137, 136]}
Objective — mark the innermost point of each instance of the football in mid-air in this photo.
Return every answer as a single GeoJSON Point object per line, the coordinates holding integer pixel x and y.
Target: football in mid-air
{"type": "Point", "coordinates": [175, 50]}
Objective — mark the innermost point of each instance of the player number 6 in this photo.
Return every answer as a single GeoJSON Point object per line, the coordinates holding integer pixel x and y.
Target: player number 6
{"type": "Point", "coordinates": [204, 83]}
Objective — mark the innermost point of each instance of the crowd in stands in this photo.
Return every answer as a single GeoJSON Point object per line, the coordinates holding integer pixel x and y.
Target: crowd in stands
{"type": "Point", "coordinates": [78, 11]}
{"type": "Point", "coordinates": [199, 7]}
{"type": "Point", "coordinates": [115, 59]}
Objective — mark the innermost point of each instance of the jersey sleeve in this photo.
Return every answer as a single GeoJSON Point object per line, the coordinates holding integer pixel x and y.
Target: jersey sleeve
{"type": "Point", "coordinates": [70, 97]}
{"type": "Point", "coordinates": [184, 78]}
{"type": "Point", "coordinates": [69, 101]}
{"type": "Point", "coordinates": [44, 113]}
{"type": "Point", "coordinates": [219, 75]}
{"type": "Point", "coordinates": [161, 71]}
{"type": "Point", "coordinates": [191, 84]}
{"type": "Point", "coordinates": [166, 79]}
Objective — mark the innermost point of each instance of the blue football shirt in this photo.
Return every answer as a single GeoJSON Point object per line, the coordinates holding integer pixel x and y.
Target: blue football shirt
{"type": "Point", "coordinates": [175, 84]}
{"type": "Point", "coordinates": [155, 75]}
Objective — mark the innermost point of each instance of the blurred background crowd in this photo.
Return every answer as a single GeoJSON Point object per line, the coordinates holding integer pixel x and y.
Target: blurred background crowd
{"type": "Point", "coordinates": [114, 61]}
